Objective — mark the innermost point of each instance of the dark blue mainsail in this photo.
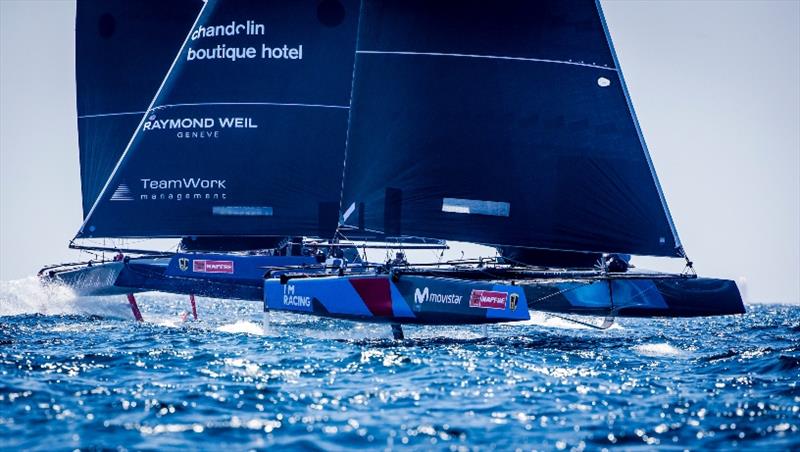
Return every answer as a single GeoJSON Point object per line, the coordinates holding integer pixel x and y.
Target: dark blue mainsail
{"type": "Point", "coordinates": [247, 134]}
{"type": "Point", "coordinates": [122, 50]}
{"type": "Point", "coordinates": [505, 123]}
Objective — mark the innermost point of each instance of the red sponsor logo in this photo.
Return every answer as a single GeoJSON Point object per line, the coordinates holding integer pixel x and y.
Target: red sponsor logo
{"type": "Point", "coordinates": [203, 266]}
{"type": "Point", "coordinates": [488, 299]}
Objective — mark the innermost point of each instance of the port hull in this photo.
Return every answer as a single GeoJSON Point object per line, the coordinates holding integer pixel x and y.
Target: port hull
{"type": "Point", "coordinates": [418, 299]}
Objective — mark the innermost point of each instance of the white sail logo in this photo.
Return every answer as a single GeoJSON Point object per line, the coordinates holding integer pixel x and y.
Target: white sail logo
{"type": "Point", "coordinates": [182, 189]}
{"type": "Point", "coordinates": [122, 193]}
{"type": "Point", "coordinates": [290, 299]}
{"type": "Point", "coordinates": [426, 296]}
{"type": "Point", "coordinates": [184, 183]}
{"type": "Point", "coordinates": [198, 127]}
{"type": "Point", "coordinates": [199, 123]}
{"type": "Point", "coordinates": [420, 296]}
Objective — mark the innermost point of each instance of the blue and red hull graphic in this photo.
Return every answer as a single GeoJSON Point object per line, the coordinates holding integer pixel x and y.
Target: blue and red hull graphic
{"type": "Point", "coordinates": [410, 299]}
{"type": "Point", "coordinates": [446, 301]}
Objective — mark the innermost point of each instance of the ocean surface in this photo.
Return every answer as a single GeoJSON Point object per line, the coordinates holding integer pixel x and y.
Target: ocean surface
{"type": "Point", "coordinates": [79, 373]}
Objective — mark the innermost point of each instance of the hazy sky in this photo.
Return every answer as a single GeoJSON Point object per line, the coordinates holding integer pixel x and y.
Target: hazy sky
{"type": "Point", "coordinates": [716, 86]}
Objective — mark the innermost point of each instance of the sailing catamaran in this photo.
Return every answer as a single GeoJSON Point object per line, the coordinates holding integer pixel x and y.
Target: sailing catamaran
{"type": "Point", "coordinates": [279, 139]}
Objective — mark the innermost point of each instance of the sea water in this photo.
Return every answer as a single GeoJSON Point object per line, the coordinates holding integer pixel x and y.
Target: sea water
{"type": "Point", "coordinates": [78, 373]}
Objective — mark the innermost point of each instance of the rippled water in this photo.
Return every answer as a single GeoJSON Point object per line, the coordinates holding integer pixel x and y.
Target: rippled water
{"type": "Point", "coordinates": [78, 373]}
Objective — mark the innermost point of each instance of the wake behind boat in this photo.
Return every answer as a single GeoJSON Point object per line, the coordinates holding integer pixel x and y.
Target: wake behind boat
{"type": "Point", "coordinates": [407, 124]}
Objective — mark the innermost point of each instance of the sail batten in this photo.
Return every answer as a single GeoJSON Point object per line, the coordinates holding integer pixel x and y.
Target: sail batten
{"type": "Point", "coordinates": [489, 57]}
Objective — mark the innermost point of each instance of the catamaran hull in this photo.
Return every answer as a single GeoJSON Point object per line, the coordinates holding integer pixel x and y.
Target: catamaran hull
{"type": "Point", "coordinates": [239, 277]}
{"type": "Point", "coordinates": [637, 297]}
{"type": "Point", "coordinates": [407, 299]}
{"type": "Point", "coordinates": [149, 275]}
{"type": "Point", "coordinates": [164, 276]}
{"type": "Point", "coordinates": [449, 301]}
{"type": "Point", "coordinates": [95, 280]}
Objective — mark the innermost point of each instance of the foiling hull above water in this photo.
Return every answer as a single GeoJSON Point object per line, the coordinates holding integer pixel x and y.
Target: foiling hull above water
{"type": "Point", "coordinates": [437, 300]}
{"type": "Point", "coordinates": [216, 275]}
{"type": "Point", "coordinates": [407, 296]}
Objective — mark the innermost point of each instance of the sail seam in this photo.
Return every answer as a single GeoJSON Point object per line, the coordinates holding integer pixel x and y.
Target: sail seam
{"type": "Point", "coordinates": [122, 113]}
{"type": "Point", "coordinates": [277, 104]}
{"type": "Point", "coordinates": [490, 57]}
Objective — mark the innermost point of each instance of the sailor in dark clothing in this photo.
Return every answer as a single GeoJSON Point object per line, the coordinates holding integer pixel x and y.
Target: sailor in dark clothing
{"type": "Point", "coordinates": [399, 259]}
{"type": "Point", "coordinates": [618, 263]}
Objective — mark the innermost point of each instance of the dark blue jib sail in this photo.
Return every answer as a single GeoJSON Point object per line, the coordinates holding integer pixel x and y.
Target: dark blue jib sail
{"type": "Point", "coordinates": [122, 50]}
{"type": "Point", "coordinates": [246, 135]}
{"type": "Point", "coordinates": [505, 123]}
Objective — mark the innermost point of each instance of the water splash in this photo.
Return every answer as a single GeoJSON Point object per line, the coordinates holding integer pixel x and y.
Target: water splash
{"type": "Point", "coordinates": [660, 349]}
{"type": "Point", "coordinates": [548, 321]}
{"type": "Point", "coordinates": [30, 296]}
{"type": "Point", "coordinates": [242, 326]}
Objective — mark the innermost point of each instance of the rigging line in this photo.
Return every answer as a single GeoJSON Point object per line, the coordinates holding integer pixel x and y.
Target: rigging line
{"type": "Point", "coordinates": [578, 286]}
{"type": "Point", "coordinates": [122, 113]}
{"type": "Point", "coordinates": [611, 295]}
{"type": "Point", "coordinates": [484, 270]}
{"type": "Point", "coordinates": [350, 111]}
{"type": "Point", "coordinates": [604, 326]}
{"type": "Point", "coordinates": [518, 263]}
{"type": "Point", "coordinates": [200, 104]}
{"type": "Point", "coordinates": [276, 104]}
{"type": "Point", "coordinates": [490, 57]}
{"type": "Point", "coordinates": [640, 294]}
